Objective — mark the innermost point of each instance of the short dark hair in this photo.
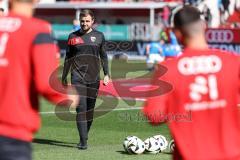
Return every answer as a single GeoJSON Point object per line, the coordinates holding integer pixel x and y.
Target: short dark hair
{"type": "Point", "coordinates": [186, 15]}
{"type": "Point", "coordinates": [86, 12]}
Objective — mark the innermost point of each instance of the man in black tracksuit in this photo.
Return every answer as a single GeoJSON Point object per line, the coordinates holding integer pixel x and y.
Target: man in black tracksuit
{"type": "Point", "coordinates": [85, 53]}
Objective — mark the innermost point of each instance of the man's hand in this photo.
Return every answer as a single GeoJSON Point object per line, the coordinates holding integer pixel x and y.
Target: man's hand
{"type": "Point", "coordinates": [106, 80]}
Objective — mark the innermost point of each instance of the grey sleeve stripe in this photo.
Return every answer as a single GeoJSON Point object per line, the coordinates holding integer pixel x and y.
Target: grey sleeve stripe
{"type": "Point", "coordinates": [43, 38]}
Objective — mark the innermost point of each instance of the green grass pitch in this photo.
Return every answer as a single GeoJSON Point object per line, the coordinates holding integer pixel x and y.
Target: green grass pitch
{"type": "Point", "coordinates": [57, 139]}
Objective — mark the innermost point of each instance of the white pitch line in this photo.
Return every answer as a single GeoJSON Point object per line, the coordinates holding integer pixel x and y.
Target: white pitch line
{"type": "Point", "coordinates": [116, 109]}
{"type": "Point", "coordinates": [103, 110]}
{"type": "Point", "coordinates": [125, 98]}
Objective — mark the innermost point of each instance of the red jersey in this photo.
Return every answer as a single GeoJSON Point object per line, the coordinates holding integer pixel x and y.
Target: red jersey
{"type": "Point", "coordinates": [28, 57]}
{"type": "Point", "coordinates": [201, 109]}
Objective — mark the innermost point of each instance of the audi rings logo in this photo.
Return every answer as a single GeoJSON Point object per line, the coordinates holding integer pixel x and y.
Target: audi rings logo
{"type": "Point", "coordinates": [219, 36]}
{"type": "Point", "coordinates": [199, 65]}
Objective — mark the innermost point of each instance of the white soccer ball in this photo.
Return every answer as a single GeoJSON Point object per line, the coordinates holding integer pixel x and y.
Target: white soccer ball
{"type": "Point", "coordinates": [152, 145]}
{"type": "Point", "coordinates": [133, 145]}
{"type": "Point", "coordinates": [162, 141]}
{"type": "Point", "coordinates": [127, 141]}
{"type": "Point", "coordinates": [171, 145]}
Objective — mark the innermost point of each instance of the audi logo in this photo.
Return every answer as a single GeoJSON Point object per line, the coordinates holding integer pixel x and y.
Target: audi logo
{"type": "Point", "coordinates": [219, 36]}
{"type": "Point", "coordinates": [199, 65]}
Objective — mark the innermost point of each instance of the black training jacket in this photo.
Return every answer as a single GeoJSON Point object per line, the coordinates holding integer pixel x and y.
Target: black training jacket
{"type": "Point", "coordinates": [84, 54]}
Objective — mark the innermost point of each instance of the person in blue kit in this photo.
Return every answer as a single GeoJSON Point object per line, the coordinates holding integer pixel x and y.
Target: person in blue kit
{"type": "Point", "coordinates": [76, 25]}
{"type": "Point", "coordinates": [172, 49]}
{"type": "Point", "coordinates": [154, 53]}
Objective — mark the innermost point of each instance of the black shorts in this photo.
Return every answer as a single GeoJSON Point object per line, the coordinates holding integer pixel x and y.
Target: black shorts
{"type": "Point", "coordinates": [13, 149]}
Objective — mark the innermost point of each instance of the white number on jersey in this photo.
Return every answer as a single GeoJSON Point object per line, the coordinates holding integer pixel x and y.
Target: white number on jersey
{"type": "Point", "coordinates": [3, 43]}
{"type": "Point", "coordinates": [203, 86]}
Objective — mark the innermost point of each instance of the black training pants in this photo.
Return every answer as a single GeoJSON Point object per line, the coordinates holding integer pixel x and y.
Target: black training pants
{"type": "Point", "coordinates": [85, 109]}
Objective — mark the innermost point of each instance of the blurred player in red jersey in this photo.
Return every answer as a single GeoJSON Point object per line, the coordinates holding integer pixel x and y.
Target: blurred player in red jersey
{"type": "Point", "coordinates": [201, 109]}
{"type": "Point", "coordinates": [28, 57]}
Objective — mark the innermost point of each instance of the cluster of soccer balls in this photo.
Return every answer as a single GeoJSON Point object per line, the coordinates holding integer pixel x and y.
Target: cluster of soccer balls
{"type": "Point", "coordinates": [153, 145]}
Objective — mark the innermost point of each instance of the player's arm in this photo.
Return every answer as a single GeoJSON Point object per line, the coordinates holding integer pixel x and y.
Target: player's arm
{"type": "Point", "coordinates": [67, 63]}
{"type": "Point", "coordinates": [104, 61]}
{"type": "Point", "coordinates": [156, 107]}
{"type": "Point", "coordinates": [44, 63]}
{"type": "Point", "coordinates": [147, 50]}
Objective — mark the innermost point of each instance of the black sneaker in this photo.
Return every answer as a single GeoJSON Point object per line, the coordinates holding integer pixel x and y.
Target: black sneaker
{"type": "Point", "coordinates": [82, 147]}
